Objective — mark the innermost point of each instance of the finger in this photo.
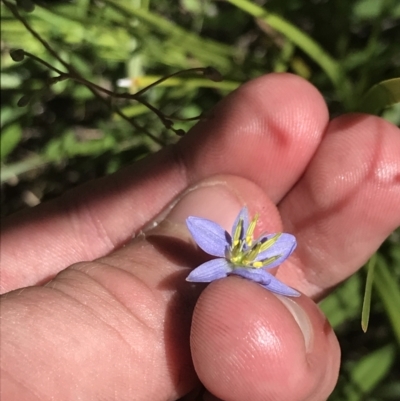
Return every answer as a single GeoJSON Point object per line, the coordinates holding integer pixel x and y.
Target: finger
{"type": "Point", "coordinates": [346, 204]}
{"type": "Point", "coordinates": [118, 328]}
{"type": "Point", "coordinates": [248, 344]}
{"type": "Point", "coordinates": [261, 132]}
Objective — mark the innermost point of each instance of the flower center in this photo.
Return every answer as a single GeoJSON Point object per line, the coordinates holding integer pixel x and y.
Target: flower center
{"type": "Point", "coordinates": [244, 250]}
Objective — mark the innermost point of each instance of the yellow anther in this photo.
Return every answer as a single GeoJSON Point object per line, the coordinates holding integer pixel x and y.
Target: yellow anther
{"type": "Point", "coordinates": [267, 244]}
{"type": "Point", "coordinates": [257, 265]}
{"type": "Point", "coordinates": [250, 230]}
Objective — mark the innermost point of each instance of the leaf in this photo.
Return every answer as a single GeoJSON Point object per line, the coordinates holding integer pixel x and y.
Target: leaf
{"type": "Point", "coordinates": [381, 95]}
{"type": "Point", "coordinates": [9, 139]}
{"type": "Point", "coordinates": [392, 114]}
{"type": "Point", "coordinates": [9, 115]}
{"type": "Point", "coordinates": [368, 9]}
{"type": "Point", "coordinates": [10, 81]}
{"type": "Point", "coordinates": [389, 292]}
{"type": "Point", "coordinates": [68, 147]}
{"type": "Point", "coordinates": [366, 374]}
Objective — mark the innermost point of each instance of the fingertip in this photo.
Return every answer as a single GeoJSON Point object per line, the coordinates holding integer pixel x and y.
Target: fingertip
{"type": "Point", "coordinates": [301, 108]}
{"type": "Point", "coordinates": [277, 119]}
{"type": "Point", "coordinates": [246, 344]}
{"type": "Point", "coordinates": [346, 203]}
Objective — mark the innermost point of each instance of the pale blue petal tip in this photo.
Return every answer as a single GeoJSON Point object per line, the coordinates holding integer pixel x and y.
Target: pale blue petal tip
{"type": "Point", "coordinates": [210, 271]}
{"type": "Point", "coordinates": [266, 280]}
{"type": "Point", "coordinates": [209, 236]}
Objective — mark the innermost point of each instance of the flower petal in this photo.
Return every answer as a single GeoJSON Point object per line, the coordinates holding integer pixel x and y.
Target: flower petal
{"type": "Point", "coordinates": [244, 215]}
{"type": "Point", "coordinates": [259, 276]}
{"type": "Point", "coordinates": [284, 246]}
{"type": "Point", "coordinates": [267, 281]}
{"type": "Point", "coordinates": [210, 271]}
{"type": "Point", "coordinates": [209, 236]}
{"type": "Point", "coordinates": [280, 288]}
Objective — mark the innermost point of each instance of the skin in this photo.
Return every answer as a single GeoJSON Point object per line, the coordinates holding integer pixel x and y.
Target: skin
{"type": "Point", "coordinates": [88, 313]}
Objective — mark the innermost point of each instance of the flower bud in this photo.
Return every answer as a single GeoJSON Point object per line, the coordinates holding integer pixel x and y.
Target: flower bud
{"type": "Point", "coordinates": [17, 54]}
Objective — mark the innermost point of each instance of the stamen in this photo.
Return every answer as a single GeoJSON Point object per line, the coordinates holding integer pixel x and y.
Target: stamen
{"type": "Point", "coordinates": [267, 244]}
{"type": "Point", "coordinates": [237, 233]}
{"type": "Point", "coordinates": [250, 255]}
{"type": "Point", "coordinates": [266, 262]}
{"type": "Point", "coordinates": [250, 230]}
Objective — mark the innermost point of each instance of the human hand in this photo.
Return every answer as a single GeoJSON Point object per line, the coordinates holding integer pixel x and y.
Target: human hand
{"type": "Point", "coordinates": [118, 326]}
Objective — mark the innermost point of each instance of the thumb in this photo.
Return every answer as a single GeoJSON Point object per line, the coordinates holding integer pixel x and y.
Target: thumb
{"type": "Point", "coordinates": [118, 327]}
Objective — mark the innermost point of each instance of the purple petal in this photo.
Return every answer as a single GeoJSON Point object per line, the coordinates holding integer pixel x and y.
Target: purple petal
{"type": "Point", "coordinates": [210, 271]}
{"type": "Point", "coordinates": [267, 281]}
{"type": "Point", "coordinates": [280, 288]}
{"type": "Point", "coordinates": [209, 236]}
{"type": "Point", "coordinates": [257, 275]}
{"type": "Point", "coordinates": [284, 246]}
{"type": "Point", "coordinates": [244, 215]}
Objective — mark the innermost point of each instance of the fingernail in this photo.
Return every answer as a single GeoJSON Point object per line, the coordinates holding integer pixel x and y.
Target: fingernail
{"type": "Point", "coordinates": [301, 318]}
{"type": "Point", "coordinates": [215, 201]}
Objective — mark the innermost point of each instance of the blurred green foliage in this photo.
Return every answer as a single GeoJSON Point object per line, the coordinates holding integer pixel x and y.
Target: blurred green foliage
{"type": "Point", "coordinates": [64, 135]}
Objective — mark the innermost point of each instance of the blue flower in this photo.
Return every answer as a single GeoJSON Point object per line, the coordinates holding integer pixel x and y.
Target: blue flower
{"type": "Point", "coordinates": [239, 253]}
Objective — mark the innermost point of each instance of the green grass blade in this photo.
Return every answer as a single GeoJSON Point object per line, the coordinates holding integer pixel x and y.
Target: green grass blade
{"type": "Point", "coordinates": [381, 95]}
{"type": "Point", "coordinates": [389, 292]}
{"type": "Point", "coordinates": [191, 83]}
{"type": "Point", "coordinates": [327, 63]}
{"type": "Point", "coordinates": [210, 52]}
{"type": "Point", "coordinates": [366, 308]}
{"type": "Point", "coordinates": [9, 171]}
